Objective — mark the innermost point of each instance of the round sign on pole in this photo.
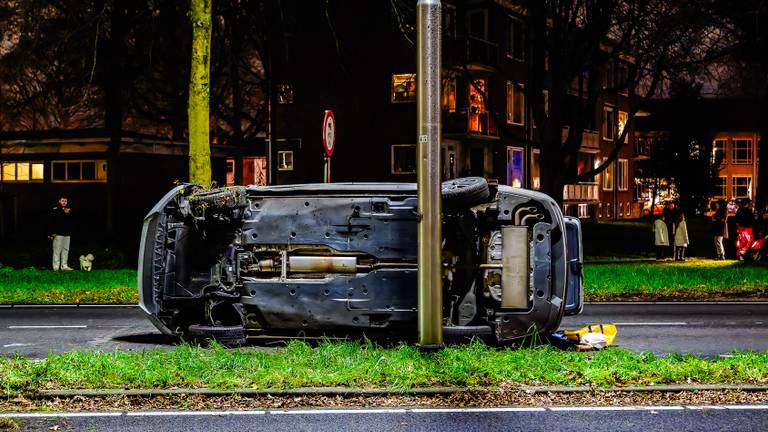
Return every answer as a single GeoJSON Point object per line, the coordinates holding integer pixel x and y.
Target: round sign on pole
{"type": "Point", "coordinates": [329, 132]}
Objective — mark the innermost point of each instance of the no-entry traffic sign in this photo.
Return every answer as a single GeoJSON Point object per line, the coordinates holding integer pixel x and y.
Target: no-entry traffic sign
{"type": "Point", "coordinates": [329, 132]}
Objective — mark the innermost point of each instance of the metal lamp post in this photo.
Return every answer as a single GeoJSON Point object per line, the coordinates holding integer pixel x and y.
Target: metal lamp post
{"type": "Point", "coordinates": [430, 298]}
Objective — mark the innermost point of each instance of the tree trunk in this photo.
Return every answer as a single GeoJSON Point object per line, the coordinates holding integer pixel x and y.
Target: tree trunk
{"type": "Point", "coordinates": [199, 94]}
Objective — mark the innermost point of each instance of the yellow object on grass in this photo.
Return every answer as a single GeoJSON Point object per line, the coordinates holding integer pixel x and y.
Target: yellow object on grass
{"type": "Point", "coordinates": [609, 330]}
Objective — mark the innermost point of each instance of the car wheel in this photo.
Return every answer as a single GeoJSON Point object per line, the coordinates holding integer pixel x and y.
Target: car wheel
{"type": "Point", "coordinates": [225, 335]}
{"type": "Point", "coordinates": [756, 255]}
{"type": "Point", "coordinates": [465, 192]}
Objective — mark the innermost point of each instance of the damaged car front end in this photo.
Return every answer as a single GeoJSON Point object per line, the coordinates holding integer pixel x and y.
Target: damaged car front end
{"type": "Point", "coordinates": [226, 264]}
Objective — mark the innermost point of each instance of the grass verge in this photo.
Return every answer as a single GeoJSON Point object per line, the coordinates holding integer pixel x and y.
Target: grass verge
{"type": "Point", "coordinates": [367, 365]}
{"type": "Point", "coordinates": [33, 286]}
{"type": "Point", "coordinates": [691, 280]}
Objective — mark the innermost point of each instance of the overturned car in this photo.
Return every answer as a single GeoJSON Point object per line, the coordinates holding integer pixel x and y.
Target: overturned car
{"type": "Point", "coordinates": [229, 263]}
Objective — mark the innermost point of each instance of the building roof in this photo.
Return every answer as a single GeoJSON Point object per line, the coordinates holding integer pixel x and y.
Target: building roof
{"type": "Point", "coordinates": [716, 115]}
{"type": "Point", "coordinates": [90, 134]}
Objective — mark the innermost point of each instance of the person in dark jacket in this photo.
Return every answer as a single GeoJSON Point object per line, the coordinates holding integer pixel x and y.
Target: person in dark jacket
{"type": "Point", "coordinates": [745, 221]}
{"type": "Point", "coordinates": [671, 214]}
{"type": "Point", "coordinates": [61, 229]}
{"type": "Point", "coordinates": [720, 227]}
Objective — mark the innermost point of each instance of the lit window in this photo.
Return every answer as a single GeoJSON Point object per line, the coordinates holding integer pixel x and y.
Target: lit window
{"type": "Point", "coordinates": [622, 175]}
{"type": "Point", "coordinates": [607, 210]}
{"type": "Point", "coordinates": [742, 187]}
{"type": "Point", "coordinates": [285, 94]}
{"type": "Point", "coordinates": [515, 39]}
{"type": "Point", "coordinates": [583, 211]}
{"type": "Point", "coordinates": [721, 187]}
{"type": "Point", "coordinates": [515, 166]}
{"type": "Point", "coordinates": [535, 176]}
{"type": "Point", "coordinates": [22, 171]}
{"type": "Point", "coordinates": [478, 118]}
{"type": "Point", "coordinates": [285, 160]}
{"type": "Point", "coordinates": [718, 151]}
{"type": "Point", "coordinates": [629, 209]}
{"type": "Point", "coordinates": [403, 159]}
{"type": "Point", "coordinates": [623, 117]}
{"type": "Point", "coordinates": [449, 95]}
{"type": "Point", "coordinates": [620, 213]}
{"type": "Point", "coordinates": [81, 171]}
{"type": "Point", "coordinates": [403, 88]}
{"type": "Point", "coordinates": [515, 103]}
{"type": "Point", "coordinates": [230, 172]}
{"type": "Point", "coordinates": [608, 177]}
{"type": "Point", "coordinates": [742, 151]}
{"type": "Point", "coordinates": [609, 122]}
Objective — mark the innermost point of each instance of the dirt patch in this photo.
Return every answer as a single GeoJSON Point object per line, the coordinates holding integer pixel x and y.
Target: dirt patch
{"type": "Point", "coordinates": [514, 397]}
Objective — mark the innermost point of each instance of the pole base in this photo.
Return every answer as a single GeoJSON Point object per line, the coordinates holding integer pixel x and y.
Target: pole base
{"type": "Point", "coordinates": [430, 348]}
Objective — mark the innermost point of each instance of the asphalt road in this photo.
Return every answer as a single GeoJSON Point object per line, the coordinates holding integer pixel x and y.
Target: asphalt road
{"type": "Point", "coordinates": [663, 418]}
{"type": "Point", "coordinates": [702, 329]}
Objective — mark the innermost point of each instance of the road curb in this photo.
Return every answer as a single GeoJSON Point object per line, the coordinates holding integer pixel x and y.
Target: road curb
{"type": "Point", "coordinates": [348, 391]}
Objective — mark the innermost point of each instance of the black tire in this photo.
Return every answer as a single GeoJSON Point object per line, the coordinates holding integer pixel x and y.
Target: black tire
{"type": "Point", "coordinates": [465, 192]}
{"type": "Point", "coordinates": [228, 336]}
{"type": "Point", "coordinates": [457, 335]}
{"type": "Point", "coordinates": [756, 255]}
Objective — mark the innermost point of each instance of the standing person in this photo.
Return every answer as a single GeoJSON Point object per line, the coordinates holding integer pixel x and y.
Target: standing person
{"type": "Point", "coordinates": [671, 214]}
{"type": "Point", "coordinates": [661, 238]}
{"type": "Point", "coordinates": [681, 238]}
{"type": "Point", "coordinates": [745, 221]}
{"type": "Point", "coordinates": [61, 227]}
{"type": "Point", "coordinates": [720, 228]}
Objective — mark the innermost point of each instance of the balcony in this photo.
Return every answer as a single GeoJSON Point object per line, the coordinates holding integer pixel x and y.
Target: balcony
{"type": "Point", "coordinates": [582, 192]}
{"type": "Point", "coordinates": [462, 122]}
{"type": "Point", "coordinates": [471, 51]}
{"type": "Point", "coordinates": [590, 141]}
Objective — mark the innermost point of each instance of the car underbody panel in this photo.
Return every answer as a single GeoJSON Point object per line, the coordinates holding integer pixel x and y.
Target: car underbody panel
{"type": "Point", "coordinates": [232, 262]}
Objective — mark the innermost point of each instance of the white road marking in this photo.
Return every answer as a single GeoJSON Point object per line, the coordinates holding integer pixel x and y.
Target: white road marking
{"type": "Point", "coordinates": [61, 415]}
{"type": "Point", "coordinates": [343, 411]}
{"type": "Point", "coordinates": [12, 345]}
{"type": "Point", "coordinates": [190, 413]}
{"type": "Point", "coordinates": [451, 410]}
{"type": "Point", "coordinates": [652, 323]}
{"type": "Point", "coordinates": [46, 326]}
{"type": "Point", "coordinates": [595, 408]}
{"type": "Point", "coordinates": [746, 407]}
{"type": "Point", "coordinates": [662, 408]}
{"type": "Point", "coordinates": [705, 407]}
{"type": "Point", "coordinates": [388, 411]}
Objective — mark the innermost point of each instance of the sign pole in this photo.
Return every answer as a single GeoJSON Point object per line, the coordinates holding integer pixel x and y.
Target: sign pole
{"type": "Point", "coordinates": [429, 255]}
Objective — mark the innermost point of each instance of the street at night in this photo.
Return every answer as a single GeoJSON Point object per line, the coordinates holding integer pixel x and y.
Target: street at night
{"type": "Point", "coordinates": [383, 215]}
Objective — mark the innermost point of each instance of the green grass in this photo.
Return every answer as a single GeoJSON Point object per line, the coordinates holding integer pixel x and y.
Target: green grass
{"type": "Point", "coordinates": [696, 279]}
{"type": "Point", "coordinates": [32, 286]}
{"type": "Point", "coordinates": [369, 366]}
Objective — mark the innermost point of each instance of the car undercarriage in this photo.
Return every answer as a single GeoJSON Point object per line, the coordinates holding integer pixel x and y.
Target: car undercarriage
{"type": "Point", "coordinates": [226, 264]}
